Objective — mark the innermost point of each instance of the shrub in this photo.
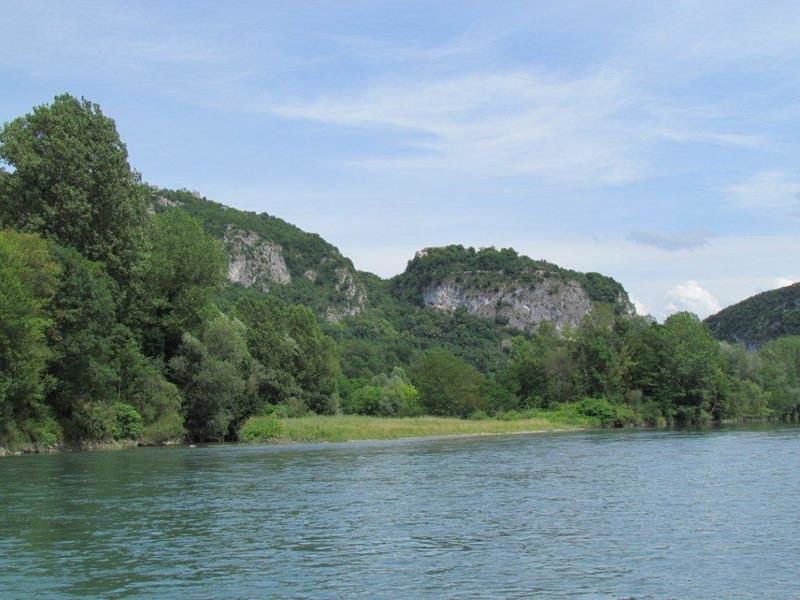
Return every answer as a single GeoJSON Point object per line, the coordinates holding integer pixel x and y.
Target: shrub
{"type": "Point", "coordinates": [260, 429]}
{"type": "Point", "coordinates": [598, 408]}
{"type": "Point", "coordinates": [44, 432]}
{"type": "Point", "coordinates": [128, 423]}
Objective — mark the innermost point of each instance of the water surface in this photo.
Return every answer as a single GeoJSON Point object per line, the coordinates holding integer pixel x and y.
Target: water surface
{"type": "Point", "coordinates": [575, 515]}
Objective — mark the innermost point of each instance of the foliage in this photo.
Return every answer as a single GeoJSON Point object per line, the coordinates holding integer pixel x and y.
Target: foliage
{"type": "Point", "coordinates": [760, 318]}
{"type": "Point", "coordinates": [387, 395]}
{"type": "Point", "coordinates": [218, 377]}
{"type": "Point", "coordinates": [27, 282]}
{"type": "Point", "coordinates": [260, 429]}
{"type": "Point", "coordinates": [175, 283]}
{"type": "Point", "coordinates": [299, 360]}
{"type": "Point", "coordinates": [447, 384]}
{"type": "Point", "coordinates": [71, 182]}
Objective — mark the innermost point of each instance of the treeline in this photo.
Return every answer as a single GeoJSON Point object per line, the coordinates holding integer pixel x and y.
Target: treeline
{"type": "Point", "coordinates": [112, 324]}
{"type": "Point", "coordinates": [116, 322]}
{"type": "Point", "coordinates": [616, 369]}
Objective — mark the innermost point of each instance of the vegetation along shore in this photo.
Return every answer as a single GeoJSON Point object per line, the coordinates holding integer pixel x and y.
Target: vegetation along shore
{"type": "Point", "coordinates": [132, 314]}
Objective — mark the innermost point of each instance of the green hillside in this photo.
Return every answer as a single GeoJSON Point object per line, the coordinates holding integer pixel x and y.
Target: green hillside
{"type": "Point", "coordinates": [760, 318]}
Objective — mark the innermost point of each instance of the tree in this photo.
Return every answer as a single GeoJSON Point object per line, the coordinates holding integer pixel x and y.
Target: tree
{"type": "Point", "coordinates": [219, 379]}
{"type": "Point", "coordinates": [299, 360]}
{"type": "Point", "coordinates": [780, 376]}
{"type": "Point", "coordinates": [175, 283]}
{"type": "Point", "coordinates": [71, 182]}
{"type": "Point", "coordinates": [447, 384]}
{"type": "Point", "coordinates": [85, 336]}
{"type": "Point", "coordinates": [692, 361]}
{"type": "Point", "coordinates": [542, 370]}
{"type": "Point", "coordinates": [28, 278]}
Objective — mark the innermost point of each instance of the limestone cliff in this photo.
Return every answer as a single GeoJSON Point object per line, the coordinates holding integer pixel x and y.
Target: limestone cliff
{"type": "Point", "coordinates": [509, 289]}
{"type": "Point", "coordinates": [519, 307]}
{"type": "Point", "coordinates": [254, 261]}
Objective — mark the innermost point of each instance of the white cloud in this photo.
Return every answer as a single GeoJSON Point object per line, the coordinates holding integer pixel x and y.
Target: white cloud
{"type": "Point", "coordinates": [766, 190]}
{"type": "Point", "coordinates": [691, 296]}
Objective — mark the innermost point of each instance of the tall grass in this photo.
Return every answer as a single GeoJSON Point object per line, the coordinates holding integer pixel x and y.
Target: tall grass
{"type": "Point", "coordinates": [342, 428]}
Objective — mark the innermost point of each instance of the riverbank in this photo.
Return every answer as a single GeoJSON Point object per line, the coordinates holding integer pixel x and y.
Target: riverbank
{"type": "Point", "coordinates": [345, 428]}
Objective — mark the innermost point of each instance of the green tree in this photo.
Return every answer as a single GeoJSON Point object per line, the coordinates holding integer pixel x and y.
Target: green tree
{"type": "Point", "coordinates": [28, 277]}
{"type": "Point", "coordinates": [219, 379]}
{"type": "Point", "coordinates": [447, 384]}
{"type": "Point", "coordinates": [299, 360]}
{"type": "Point", "coordinates": [71, 182]}
{"type": "Point", "coordinates": [175, 283]}
{"type": "Point", "coordinates": [780, 375]}
{"type": "Point", "coordinates": [692, 362]}
{"type": "Point", "coordinates": [84, 338]}
{"type": "Point", "coordinates": [542, 371]}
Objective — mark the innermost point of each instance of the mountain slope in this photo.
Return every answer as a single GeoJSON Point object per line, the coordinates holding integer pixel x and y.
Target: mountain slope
{"type": "Point", "coordinates": [271, 255]}
{"type": "Point", "coordinates": [760, 318]}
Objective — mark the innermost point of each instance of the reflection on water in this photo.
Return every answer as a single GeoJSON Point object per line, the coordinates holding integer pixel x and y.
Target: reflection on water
{"type": "Point", "coordinates": [653, 514]}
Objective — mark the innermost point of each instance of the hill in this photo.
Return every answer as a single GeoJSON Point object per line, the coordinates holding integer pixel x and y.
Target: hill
{"type": "Point", "coordinates": [505, 287]}
{"type": "Point", "coordinates": [760, 318]}
{"type": "Point", "coordinates": [268, 254]}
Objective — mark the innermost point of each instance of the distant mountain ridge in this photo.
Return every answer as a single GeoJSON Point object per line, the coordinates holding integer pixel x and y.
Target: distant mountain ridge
{"type": "Point", "coordinates": [760, 318]}
{"type": "Point", "coordinates": [512, 291]}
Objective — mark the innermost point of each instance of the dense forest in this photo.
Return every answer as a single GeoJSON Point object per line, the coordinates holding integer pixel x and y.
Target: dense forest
{"type": "Point", "coordinates": [117, 321]}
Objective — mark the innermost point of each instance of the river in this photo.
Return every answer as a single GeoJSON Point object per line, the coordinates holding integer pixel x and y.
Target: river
{"type": "Point", "coordinates": [645, 514]}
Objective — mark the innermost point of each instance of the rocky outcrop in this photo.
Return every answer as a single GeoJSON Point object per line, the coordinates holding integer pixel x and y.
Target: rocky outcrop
{"type": "Point", "coordinates": [254, 261]}
{"type": "Point", "coordinates": [353, 296]}
{"type": "Point", "coordinates": [564, 303]}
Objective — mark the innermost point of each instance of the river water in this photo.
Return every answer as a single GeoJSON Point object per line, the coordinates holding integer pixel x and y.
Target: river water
{"type": "Point", "coordinates": [651, 514]}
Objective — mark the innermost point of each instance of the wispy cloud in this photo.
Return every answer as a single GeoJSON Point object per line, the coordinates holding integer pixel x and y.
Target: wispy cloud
{"type": "Point", "coordinates": [504, 123]}
{"type": "Point", "coordinates": [671, 242]}
{"type": "Point", "coordinates": [766, 191]}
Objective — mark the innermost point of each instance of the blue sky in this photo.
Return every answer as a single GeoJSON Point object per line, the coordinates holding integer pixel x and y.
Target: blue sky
{"type": "Point", "coordinates": [654, 142]}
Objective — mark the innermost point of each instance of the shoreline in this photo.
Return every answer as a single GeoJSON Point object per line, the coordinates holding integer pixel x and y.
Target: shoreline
{"type": "Point", "coordinates": [342, 429]}
{"type": "Point", "coordinates": [359, 428]}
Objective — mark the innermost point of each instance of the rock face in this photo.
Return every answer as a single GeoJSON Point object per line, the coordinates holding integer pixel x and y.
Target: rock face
{"type": "Point", "coordinates": [565, 303]}
{"type": "Point", "coordinates": [353, 297]}
{"type": "Point", "coordinates": [254, 261]}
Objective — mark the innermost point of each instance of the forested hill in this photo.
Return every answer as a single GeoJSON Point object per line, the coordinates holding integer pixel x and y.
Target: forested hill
{"type": "Point", "coordinates": [271, 255]}
{"type": "Point", "coordinates": [506, 288]}
{"type": "Point", "coordinates": [760, 318]}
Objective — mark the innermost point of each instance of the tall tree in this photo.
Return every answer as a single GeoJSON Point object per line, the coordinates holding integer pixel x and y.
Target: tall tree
{"type": "Point", "coordinates": [27, 281]}
{"type": "Point", "coordinates": [175, 283]}
{"type": "Point", "coordinates": [70, 181]}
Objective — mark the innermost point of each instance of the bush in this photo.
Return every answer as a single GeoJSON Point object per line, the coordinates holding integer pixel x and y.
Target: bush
{"type": "Point", "coordinates": [92, 421]}
{"type": "Point", "coordinates": [128, 423]}
{"type": "Point", "coordinates": [44, 432]}
{"type": "Point", "coordinates": [598, 408]}
{"type": "Point", "coordinates": [260, 429]}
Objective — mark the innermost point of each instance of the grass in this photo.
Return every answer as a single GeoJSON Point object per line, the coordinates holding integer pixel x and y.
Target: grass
{"type": "Point", "coordinates": [343, 428]}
